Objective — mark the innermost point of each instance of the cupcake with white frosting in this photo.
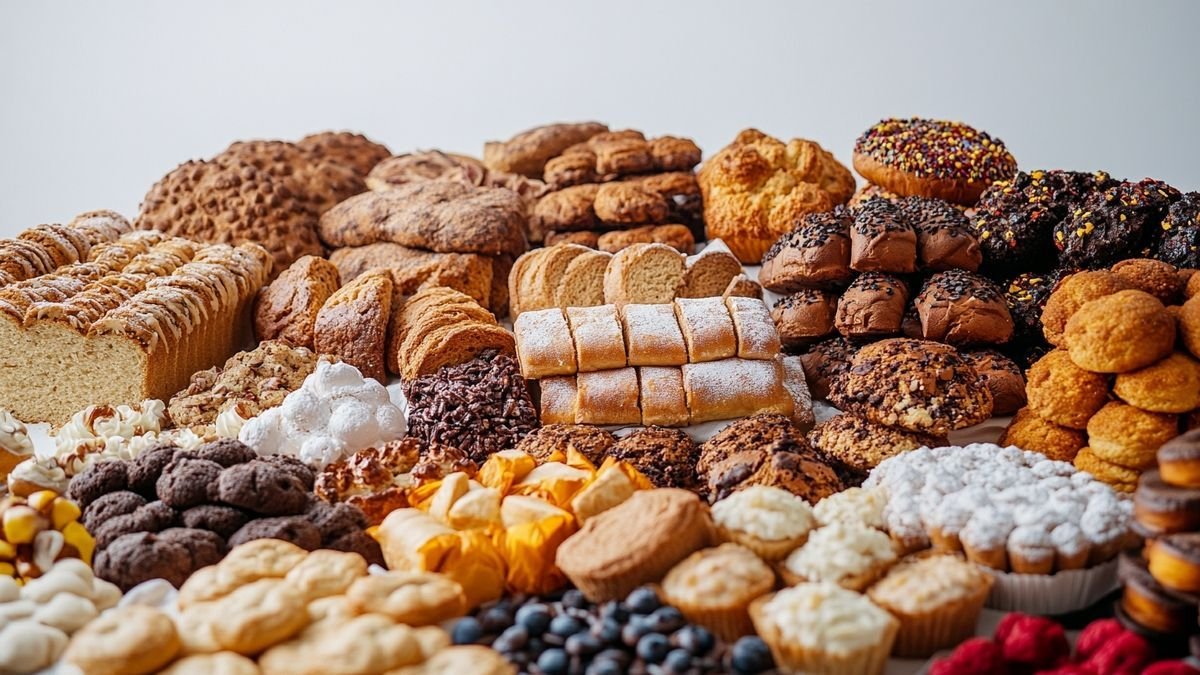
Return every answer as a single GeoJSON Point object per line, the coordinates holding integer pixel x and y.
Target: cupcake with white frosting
{"type": "Point", "coordinates": [770, 521]}
{"type": "Point", "coordinates": [850, 555]}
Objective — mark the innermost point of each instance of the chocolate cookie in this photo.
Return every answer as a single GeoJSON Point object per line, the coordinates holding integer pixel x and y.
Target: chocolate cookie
{"type": "Point", "coordinates": [778, 466]}
{"type": "Point", "coordinates": [1026, 296]}
{"type": "Point", "coordinates": [227, 452]}
{"type": "Point", "coordinates": [335, 520]}
{"type": "Point", "coordinates": [145, 469]}
{"type": "Point", "coordinates": [292, 466]}
{"type": "Point", "coordinates": [825, 363]}
{"type": "Point", "coordinates": [1003, 378]}
{"type": "Point", "coordinates": [153, 517]}
{"type": "Point", "coordinates": [814, 255]}
{"type": "Point", "coordinates": [110, 506]}
{"type": "Point", "coordinates": [98, 480]}
{"type": "Point", "coordinates": [186, 482]}
{"type": "Point", "coordinates": [361, 543]}
{"type": "Point", "coordinates": [666, 456]}
{"type": "Point", "coordinates": [294, 529]}
{"type": "Point", "coordinates": [262, 488]}
{"type": "Point", "coordinates": [205, 547]}
{"type": "Point", "coordinates": [593, 442]}
{"type": "Point", "coordinates": [133, 558]}
{"type": "Point", "coordinates": [439, 460]}
{"type": "Point", "coordinates": [861, 445]}
{"type": "Point", "coordinates": [881, 239]}
{"type": "Point", "coordinates": [221, 520]}
{"type": "Point", "coordinates": [1179, 242]}
{"type": "Point", "coordinates": [1114, 224]}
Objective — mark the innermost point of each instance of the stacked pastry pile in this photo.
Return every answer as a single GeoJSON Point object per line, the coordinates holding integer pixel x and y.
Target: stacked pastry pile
{"type": "Point", "coordinates": [1162, 581]}
{"type": "Point", "coordinates": [97, 314]}
{"type": "Point", "coordinates": [605, 189]}
{"type": "Point", "coordinates": [1117, 386]}
{"type": "Point", "coordinates": [570, 275]}
{"type": "Point", "coordinates": [675, 364]}
{"type": "Point", "coordinates": [897, 395]}
{"type": "Point", "coordinates": [268, 192]}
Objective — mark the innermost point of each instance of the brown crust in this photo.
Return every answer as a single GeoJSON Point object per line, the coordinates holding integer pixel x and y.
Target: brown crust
{"type": "Point", "coordinates": [455, 344]}
{"type": "Point", "coordinates": [608, 156]}
{"type": "Point", "coordinates": [1121, 332]}
{"type": "Point", "coordinates": [1169, 386]}
{"type": "Point", "coordinates": [1163, 508]}
{"type": "Point", "coordinates": [287, 308]}
{"type": "Point", "coordinates": [346, 148]}
{"type": "Point", "coordinates": [588, 239]}
{"type": "Point", "coordinates": [527, 152]}
{"type": "Point", "coordinates": [666, 456]}
{"type": "Point", "coordinates": [1064, 393]}
{"type": "Point", "coordinates": [321, 181]}
{"type": "Point", "coordinates": [1030, 432]}
{"type": "Point", "coordinates": [437, 216]}
{"type": "Point", "coordinates": [594, 442]}
{"type": "Point", "coordinates": [412, 268]}
{"type": "Point", "coordinates": [861, 444]}
{"type": "Point", "coordinates": [678, 237]}
{"type": "Point", "coordinates": [1129, 437]}
{"type": "Point", "coordinates": [353, 324]}
{"type": "Point", "coordinates": [1002, 376]}
{"type": "Point", "coordinates": [891, 179]}
{"type": "Point", "coordinates": [1071, 294]}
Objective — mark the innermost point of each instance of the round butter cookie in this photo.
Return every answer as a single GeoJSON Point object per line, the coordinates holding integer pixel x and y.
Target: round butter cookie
{"type": "Point", "coordinates": [1169, 386]}
{"type": "Point", "coordinates": [1070, 294]}
{"type": "Point", "coordinates": [1128, 437]}
{"type": "Point", "coordinates": [126, 641]}
{"type": "Point", "coordinates": [1030, 432]}
{"type": "Point", "coordinates": [1062, 392]}
{"type": "Point", "coordinates": [1118, 477]}
{"type": "Point", "coordinates": [1121, 332]}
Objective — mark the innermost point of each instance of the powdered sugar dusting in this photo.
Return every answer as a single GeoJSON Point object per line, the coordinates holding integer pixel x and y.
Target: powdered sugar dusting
{"type": "Point", "coordinates": [733, 385]}
{"type": "Point", "coordinates": [543, 342]}
{"type": "Point", "coordinates": [707, 328]}
{"type": "Point", "coordinates": [558, 400]}
{"type": "Point", "coordinates": [756, 333]}
{"type": "Point", "coordinates": [608, 397]}
{"type": "Point", "coordinates": [599, 340]}
{"type": "Point", "coordinates": [652, 335]}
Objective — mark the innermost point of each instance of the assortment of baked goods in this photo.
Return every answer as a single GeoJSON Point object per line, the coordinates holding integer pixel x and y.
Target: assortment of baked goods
{"type": "Point", "coordinates": [629, 476]}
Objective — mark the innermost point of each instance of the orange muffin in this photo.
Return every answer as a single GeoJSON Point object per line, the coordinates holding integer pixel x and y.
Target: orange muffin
{"type": "Point", "coordinates": [1070, 294]}
{"type": "Point", "coordinates": [1064, 393]}
{"type": "Point", "coordinates": [1121, 332]}
{"type": "Point", "coordinates": [1169, 386]}
{"type": "Point", "coordinates": [1155, 277]}
{"type": "Point", "coordinates": [1123, 435]}
{"type": "Point", "coordinates": [1030, 432]}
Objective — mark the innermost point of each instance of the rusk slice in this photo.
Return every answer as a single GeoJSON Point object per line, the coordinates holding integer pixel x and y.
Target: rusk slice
{"type": "Point", "coordinates": [709, 272]}
{"type": "Point", "coordinates": [287, 308]}
{"type": "Point", "coordinates": [582, 284]}
{"type": "Point", "coordinates": [544, 344]}
{"type": "Point", "coordinates": [599, 341]}
{"type": "Point", "coordinates": [353, 324]}
{"type": "Point", "coordinates": [548, 272]}
{"type": "Point", "coordinates": [707, 328]}
{"type": "Point", "coordinates": [607, 397]}
{"type": "Point", "coordinates": [455, 344]}
{"type": "Point", "coordinates": [662, 399]}
{"type": "Point", "coordinates": [643, 273]}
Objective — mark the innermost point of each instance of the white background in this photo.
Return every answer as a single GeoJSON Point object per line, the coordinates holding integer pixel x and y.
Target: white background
{"type": "Point", "coordinates": [100, 99]}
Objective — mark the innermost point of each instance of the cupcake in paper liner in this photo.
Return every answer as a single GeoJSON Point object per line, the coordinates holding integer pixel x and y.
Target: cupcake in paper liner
{"type": "Point", "coordinates": [715, 586]}
{"type": "Point", "coordinates": [770, 521]}
{"type": "Point", "coordinates": [824, 628]}
{"type": "Point", "coordinates": [850, 555]}
{"type": "Point", "coordinates": [937, 600]}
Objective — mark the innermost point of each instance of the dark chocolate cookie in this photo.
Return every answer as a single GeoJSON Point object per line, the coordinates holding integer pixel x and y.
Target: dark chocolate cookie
{"type": "Point", "coordinates": [152, 517]}
{"type": "Point", "coordinates": [222, 520]}
{"type": "Point", "coordinates": [227, 452]}
{"type": "Point", "coordinates": [110, 506]}
{"type": "Point", "coordinates": [361, 543]}
{"type": "Point", "coordinates": [133, 558]}
{"type": "Point", "coordinates": [293, 466]}
{"type": "Point", "coordinates": [262, 487]}
{"type": "Point", "coordinates": [147, 467]}
{"type": "Point", "coordinates": [98, 480]}
{"type": "Point", "coordinates": [335, 520]}
{"type": "Point", "coordinates": [1114, 224]}
{"type": "Point", "coordinates": [1179, 243]}
{"type": "Point", "coordinates": [294, 529]}
{"type": "Point", "coordinates": [205, 548]}
{"type": "Point", "coordinates": [185, 482]}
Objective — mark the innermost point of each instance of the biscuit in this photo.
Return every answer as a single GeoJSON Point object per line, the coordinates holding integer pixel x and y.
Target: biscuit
{"type": "Point", "coordinates": [125, 641]}
{"type": "Point", "coordinates": [293, 529]}
{"type": "Point", "coordinates": [222, 520]}
{"type": "Point", "coordinates": [475, 659]}
{"type": "Point", "coordinates": [1118, 477]}
{"type": "Point", "coordinates": [260, 559]}
{"type": "Point", "coordinates": [364, 644]}
{"type": "Point", "coordinates": [1123, 435]}
{"type": "Point", "coordinates": [1169, 386]}
{"type": "Point", "coordinates": [1002, 377]}
{"type": "Point", "coordinates": [224, 451]}
{"type": "Point", "coordinates": [413, 598]}
{"type": "Point", "coordinates": [184, 482]}
{"type": "Point", "coordinates": [1121, 332]}
{"type": "Point", "coordinates": [595, 443]}
{"type": "Point", "coordinates": [258, 615]}
{"type": "Point", "coordinates": [1070, 294]}
{"type": "Point", "coordinates": [262, 488]}
{"type": "Point", "coordinates": [1189, 324]}
{"type": "Point", "coordinates": [629, 203]}
{"type": "Point", "coordinates": [1155, 277]}
{"type": "Point", "coordinates": [527, 152]}
{"type": "Point", "coordinates": [324, 573]}
{"type": "Point", "coordinates": [98, 480]}
{"type": "Point", "coordinates": [141, 556]}
{"type": "Point", "coordinates": [667, 457]}
{"type": "Point", "coordinates": [861, 445]}
{"type": "Point", "coordinates": [144, 471]}
{"type": "Point", "coordinates": [225, 663]}
{"type": "Point", "coordinates": [1030, 432]}
{"type": "Point", "coordinates": [1062, 392]}
{"type": "Point", "coordinates": [110, 506]}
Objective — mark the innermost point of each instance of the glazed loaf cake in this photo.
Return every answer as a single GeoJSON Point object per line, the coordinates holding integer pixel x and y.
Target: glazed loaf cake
{"type": "Point", "coordinates": [128, 319]}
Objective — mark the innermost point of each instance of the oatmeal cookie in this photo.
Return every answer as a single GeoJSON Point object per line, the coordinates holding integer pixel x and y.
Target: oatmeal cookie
{"type": "Point", "coordinates": [1064, 393]}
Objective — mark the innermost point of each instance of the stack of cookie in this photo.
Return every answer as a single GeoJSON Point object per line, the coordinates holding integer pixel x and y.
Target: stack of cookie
{"type": "Point", "coordinates": [1162, 582]}
{"type": "Point", "coordinates": [898, 395]}
{"type": "Point", "coordinates": [606, 189]}
{"type": "Point", "coordinates": [1118, 385]}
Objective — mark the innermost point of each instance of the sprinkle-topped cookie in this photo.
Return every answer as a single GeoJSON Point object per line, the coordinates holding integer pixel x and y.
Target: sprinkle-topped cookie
{"type": "Point", "coordinates": [1113, 224]}
{"type": "Point", "coordinates": [932, 158]}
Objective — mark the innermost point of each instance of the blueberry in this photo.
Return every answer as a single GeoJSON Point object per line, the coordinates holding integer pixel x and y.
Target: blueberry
{"type": "Point", "coordinates": [653, 647]}
{"type": "Point", "coordinates": [535, 618]}
{"type": "Point", "coordinates": [495, 619]}
{"type": "Point", "coordinates": [632, 633]}
{"type": "Point", "coordinates": [618, 656]}
{"type": "Point", "coordinates": [553, 662]}
{"type": "Point", "coordinates": [614, 610]}
{"type": "Point", "coordinates": [565, 626]}
{"type": "Point", "coordinates": [575, 599]}
{"type": "Point", "coordinates": [607, 631]}
{"type": "Point", "coordinates": [583, 644]}
{"type": "Point", "coordinates": [642, 600]}
{"type": "Point", "coordinates": [750, 655]}
{"type": "Point", "coordinates": [667, 620]}
{"type": "Point", "coordinates": [514, 638]}
{"type": "Point", "coordinates": [466, 631]}
{"type": "Point", "coordinates": [605, 667]}
{"type": "Point", "coordinates": [677, 661]}
{"type": "Point", "coordinates": [695, 639]}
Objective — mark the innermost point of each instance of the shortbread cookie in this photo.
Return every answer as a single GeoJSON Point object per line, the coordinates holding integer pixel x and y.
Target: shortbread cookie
{"type": "Point", "coordinates": [225, 663]}
{"type": "Point", "coordinates": [258, 615]}
{"type": "Point", "coordinates": [323, 573]}
{"type": "Point", "coordinates": [413, 598]}
{"type": "Point", "coordinates": [126, 641]}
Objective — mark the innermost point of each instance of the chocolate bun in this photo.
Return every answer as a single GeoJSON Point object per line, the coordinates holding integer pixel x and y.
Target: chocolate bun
{"type": "Point", "coordinates": [872, 306]}
{"type": "Point", "coordinates": [1002, 376]}
{"type": "Point", "coordinates": [814, 255]}
{"type": "Point", "coordinates": [805, 316]}
{"type": "Point", "coordinates": [959, 307]}
{"type": "Point", "coordinates": [945, 240]}
{"type": "Point", "coordinates": [881, 239]}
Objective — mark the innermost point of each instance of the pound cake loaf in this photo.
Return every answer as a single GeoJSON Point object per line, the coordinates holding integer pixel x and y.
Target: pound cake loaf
{"type": "Point", "coordinates": [126, 320]}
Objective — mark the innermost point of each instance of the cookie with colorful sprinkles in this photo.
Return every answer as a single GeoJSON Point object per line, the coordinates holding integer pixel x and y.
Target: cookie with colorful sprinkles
{"type": "Point", "coordinates": [1114, 224]}
{"type": "Point", "coordinates": [932, 158]}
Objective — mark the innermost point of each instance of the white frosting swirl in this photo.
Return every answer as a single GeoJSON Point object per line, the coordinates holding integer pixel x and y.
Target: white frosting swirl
{"type": "Point", "coordinates": [14, 436]}
{"type": "Point", "coordinates": [769, 513]}
{"type": "Point", "coordinates": [827, 617]}
{"type": "Point", "coordinates": [841, 551]}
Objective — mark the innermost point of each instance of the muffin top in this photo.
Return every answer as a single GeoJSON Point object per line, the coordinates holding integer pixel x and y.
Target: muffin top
{"type": "Point", "coordinates": [726, 574]}
{"type": "Point", "coordinates": [827, 617]}
{"type": "Point", "coordinates": [853, 506]}
{"type": "Point", "coordinates": [766, 512]}
{"type": "Point", "coordinates": [922, 585]}
{"type": "Point", "coordinates": [841, 551]}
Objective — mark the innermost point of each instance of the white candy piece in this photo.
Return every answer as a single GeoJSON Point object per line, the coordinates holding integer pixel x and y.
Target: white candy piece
{"type": "Point", "coordinates": [28, 646]}
{"type": "Point", "coordinates": [9, 590]}
{"type": "Point", "coordinates": [105, 595]}
{"type": "Point", "coordinates": [66, 612]}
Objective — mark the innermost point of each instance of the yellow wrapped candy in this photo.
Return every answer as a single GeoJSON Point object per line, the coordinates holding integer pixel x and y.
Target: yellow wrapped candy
{"type": "Point", "coordinates": [554, 482]}
{"type": "Point", "coordinates": [414, 540]}
{"type": "Point", "coordinates": [504, 468]}
{"type": "Point", "coordinates": [529, 550]}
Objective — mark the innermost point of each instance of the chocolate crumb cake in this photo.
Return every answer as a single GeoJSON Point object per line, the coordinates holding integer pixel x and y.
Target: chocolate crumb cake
{"type": "Point", "coordinates": [1113, 224]}
{"type": "Point", "coordinates": [825, 362]}
{"type": "Point", "coordinates": [765, 449]}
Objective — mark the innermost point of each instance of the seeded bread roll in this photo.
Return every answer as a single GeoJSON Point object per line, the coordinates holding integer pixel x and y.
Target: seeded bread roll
{"type": "Point", "coordinates": [582, 283]}
{"type": "Point", "coordinates": [805, 316]}
{"type": "Point", "coordinates": [559, 398]}
{"type": "Point", "coordinates": [662, 399]}
{"type": "Point", "coordinates": [353, 324]}
{"type": "Point", "coordinates": [959, 307]}
{"type": "Point", "coordinates": [757, 337]}
{"type": "Point", "coordinates": [732, 388]}
{"type": "Point", "coordinates": [709, 272]}
{"type": "Point", "coordinates": [544, 344]}
{"type": "Point", "coordinates": [872, 306]}
{"type": "Point", "coordinates": [814, 255]}
{"type": "Point", "coordinates": [607, 397]}
{"type": "Point", "coordinates": [653, 336]}
{"type": "Point", "coordinates": [287, 309]}
{"type": "Point", "coordinates": [707, 329]}
{"type": "Point", "coordinates": [598, 338]}
{"type": "Point", "coordinates": [643, 274]}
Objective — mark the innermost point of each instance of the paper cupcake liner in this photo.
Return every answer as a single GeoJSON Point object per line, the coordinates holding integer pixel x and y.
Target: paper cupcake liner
{"type": "Point", "coordinates": [1052, 594]}
{"type": "Point", "coordinates": [770, 551]}
{"type": "Point", "coordinates": [921, 635]}
{"type": "Point", "coordinates": [858, 582]}
{"type": "Point", "coordinates": [793, 657]}
{"type": "Point", "coordinates": [727, 623]}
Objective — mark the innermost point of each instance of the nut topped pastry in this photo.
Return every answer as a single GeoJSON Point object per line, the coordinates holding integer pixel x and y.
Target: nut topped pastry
{"type": "Point", "coordinates": [765, 449]}
{"type": "Point", "coordinates": [666, 456]}
{"type": "Point", "coordinates": [882, 239]}
{"type": "Point", "coordinates": [814, 254]}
